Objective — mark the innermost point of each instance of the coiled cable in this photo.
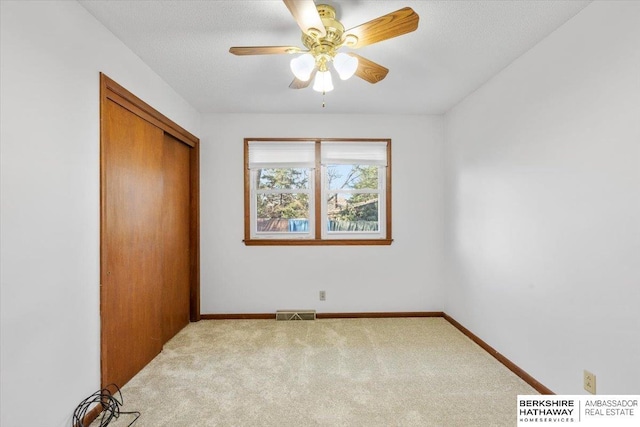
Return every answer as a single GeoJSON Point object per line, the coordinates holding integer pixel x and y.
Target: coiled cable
{"type": "Point", "coordinates": [110, 403]}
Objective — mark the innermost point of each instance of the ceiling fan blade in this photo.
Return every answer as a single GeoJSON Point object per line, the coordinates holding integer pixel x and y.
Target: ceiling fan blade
{"type": "Point", "coordinates": [306, 15]}
{"type": "Point", "coordinates": [369, 70]}
{"type": "Point", "coordinates": [301, 84]}
{"type": "Point", "coordinates": [394, 24]}
{"type": "Point", "coordinates": [264, 50]}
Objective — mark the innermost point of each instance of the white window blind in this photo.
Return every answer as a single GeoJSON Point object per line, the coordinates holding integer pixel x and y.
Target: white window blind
{"type": "Point", "coordinates": [267, 154]}
{"type": "Point", "coordinates": [354, 153]}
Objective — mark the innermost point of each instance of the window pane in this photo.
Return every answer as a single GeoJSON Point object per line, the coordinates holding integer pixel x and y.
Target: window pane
{"type": "Point", "coordinates": [353, 212]}
{"type": "Point", "coordinates": [352, 177]}
{"type": "Point", "coordinates": [282, 179]}
{"type": "Point", "coordinates": [282, 213]}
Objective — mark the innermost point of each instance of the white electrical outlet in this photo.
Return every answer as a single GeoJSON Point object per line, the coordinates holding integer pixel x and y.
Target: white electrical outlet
{"type": "Point", "coordinates": [323, 295]}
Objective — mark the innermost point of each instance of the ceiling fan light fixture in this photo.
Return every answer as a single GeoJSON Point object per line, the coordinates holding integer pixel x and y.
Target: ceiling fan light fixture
{"type": "Point", "coordinates": [345, 64]}
{"type": "Point", "coordinates": [303, 66]}
{"type": "Point", "coordinates": [323, 35]}
{"type": "Point", "coordinates": [323, 82]}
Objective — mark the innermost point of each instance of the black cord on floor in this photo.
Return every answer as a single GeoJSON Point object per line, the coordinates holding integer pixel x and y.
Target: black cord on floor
{"type": "Point", "coordinates": [110, 407]}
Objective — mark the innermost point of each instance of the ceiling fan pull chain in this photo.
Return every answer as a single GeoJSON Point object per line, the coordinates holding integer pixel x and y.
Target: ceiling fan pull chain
{"type": "Point", "coordinates": [323, 105]}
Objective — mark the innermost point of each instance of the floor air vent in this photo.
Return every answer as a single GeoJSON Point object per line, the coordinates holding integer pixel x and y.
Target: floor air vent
{"type": "Point", "coordinates": [296, 315]}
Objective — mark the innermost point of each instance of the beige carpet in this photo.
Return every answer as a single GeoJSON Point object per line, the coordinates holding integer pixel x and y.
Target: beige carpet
{"type": "Point", "coordinates": [347, 372]}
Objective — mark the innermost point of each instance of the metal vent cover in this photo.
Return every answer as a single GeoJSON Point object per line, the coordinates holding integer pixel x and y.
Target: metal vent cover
{"type": "Point", "coordinates": [296, 315]}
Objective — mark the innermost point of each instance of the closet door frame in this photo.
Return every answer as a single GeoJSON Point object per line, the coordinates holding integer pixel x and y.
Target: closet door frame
{"type": "Point", "coordinates": [110, 91]}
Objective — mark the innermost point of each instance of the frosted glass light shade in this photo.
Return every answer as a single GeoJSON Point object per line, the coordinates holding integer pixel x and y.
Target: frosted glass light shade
{"type": "Point", "coordinates": [345, 65]}
{"type": "Point", "coordinates": [302, 66]}
{"type": "Point", "coordinates": [323, 82]}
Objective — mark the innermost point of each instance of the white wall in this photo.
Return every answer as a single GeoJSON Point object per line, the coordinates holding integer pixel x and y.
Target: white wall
{"type": "Point", "coordinates": [544, 205]}
{"type": "Point", "coordinates": [406, 276]}
{"type": "Point", "coordinates": [51, 54]}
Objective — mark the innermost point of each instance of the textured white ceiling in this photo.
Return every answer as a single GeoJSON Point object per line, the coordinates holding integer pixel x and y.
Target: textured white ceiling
{"type": "Point", "coordinates": [458, 46]}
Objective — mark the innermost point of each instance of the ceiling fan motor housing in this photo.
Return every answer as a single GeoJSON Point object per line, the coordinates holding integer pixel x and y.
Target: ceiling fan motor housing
{"type": "Point", "coordinates": [325, 48]}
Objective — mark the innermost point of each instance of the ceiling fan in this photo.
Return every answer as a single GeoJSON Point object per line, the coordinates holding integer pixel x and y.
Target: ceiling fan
{"type": "Point", "coordinates": [323, 36]}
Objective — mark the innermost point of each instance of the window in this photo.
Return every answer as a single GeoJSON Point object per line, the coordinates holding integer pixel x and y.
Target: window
{"type": "Point", "coordinates": [317, 192]}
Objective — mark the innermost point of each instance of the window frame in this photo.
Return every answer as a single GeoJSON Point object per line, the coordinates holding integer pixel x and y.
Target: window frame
{"type": "Point", "coordinates": [318, 236]}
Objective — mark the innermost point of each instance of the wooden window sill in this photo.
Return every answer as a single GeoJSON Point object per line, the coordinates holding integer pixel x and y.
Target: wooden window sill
{"type": "Point", "coordinates": [316, 242]}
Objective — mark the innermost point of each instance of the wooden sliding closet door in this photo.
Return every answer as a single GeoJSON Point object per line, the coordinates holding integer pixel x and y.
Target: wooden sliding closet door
{"type": "Point", "coordinates": [175, 222]}
{"type": "Point", "coordinates": [149, 256]}
{"type": "Point", "coordinates": [132, 286]}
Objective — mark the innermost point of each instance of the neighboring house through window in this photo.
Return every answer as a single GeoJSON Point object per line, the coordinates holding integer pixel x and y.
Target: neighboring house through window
{"type": "Point", "coordinates": [317, 191]}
